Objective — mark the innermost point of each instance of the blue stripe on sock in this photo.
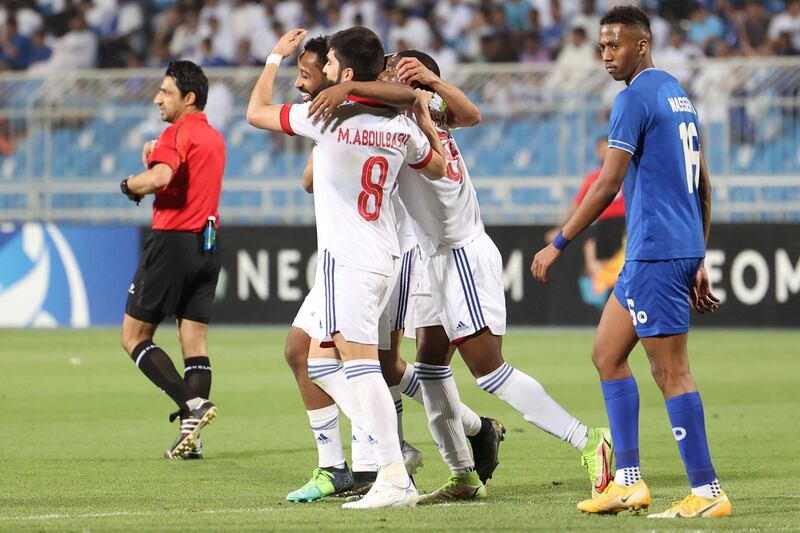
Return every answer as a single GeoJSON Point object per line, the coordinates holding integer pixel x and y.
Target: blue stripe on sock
{"type": "Point", "coordinates": [497, 379]}
{"type": "Point", "coordinates": [351, 375]}
{"type": "Point", "coordinates": [318, 374]}
{"type": "Point", "coordinates": [411, 388]}
{"type": "Point", "coordinates": [326, 425]}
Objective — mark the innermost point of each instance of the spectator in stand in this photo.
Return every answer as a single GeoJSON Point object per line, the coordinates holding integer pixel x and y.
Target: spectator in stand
{"type": "Point", "coordinates": [453, 19]}
{"type": "Point", "coordinates": [207, 56]}
{"type": "Point", "coordinates": [577, 58]}
{"type": "Point", "coordinates": [244, 55]}
{"type": "Point", "coordinates": [752, 23]}
{"type": "Point", "coordinates": [588, 19]}
{"type": "Point", "coordinates": [676, 55]}
{"type": "Point", "coordinates": [29, 20]}
{"type": "Point", "coordinates": [14, 48]}
{"type": "Point", "coordinates": [39, 50]}
{"type": "Point", "coordinates": [516, 14]}
{"type": "Point", "coordinates": [787, 22]}
{"type": "Point", "coordinates": [705, 28]}
{"type": "Point", "coordinates": [444, 56]}
{"type": "Point", "coordinates": [187, 37]}
{"type": "Point", "coordinates": [531, 53]}
{"type": "Point", "coordinates": [366, 9]}
{"type": "Point", "coordinates": [222, 44]}
{"type": "Point", "coordinates": [408, 28]}
{"type": "Point", "coordinates": [551, 35]}
{"type": "Point", "coordinates": [246, 17]}
{"type": "Point", "coordinates": [75, 49]}
{"type": "Point", "coordinates": [124, 35]}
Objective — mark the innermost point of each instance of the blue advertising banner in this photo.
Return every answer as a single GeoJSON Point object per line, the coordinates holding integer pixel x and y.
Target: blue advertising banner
{"type": "Point", "coordinates": [65, 276]}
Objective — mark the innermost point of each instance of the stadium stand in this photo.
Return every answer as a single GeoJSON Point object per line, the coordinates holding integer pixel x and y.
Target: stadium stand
{"type": "Point", "coordinates": [67, 135]}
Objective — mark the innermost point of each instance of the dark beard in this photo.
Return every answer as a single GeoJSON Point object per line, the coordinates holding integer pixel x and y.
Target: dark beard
{"type": "Point", "coordinates": [322, 86]}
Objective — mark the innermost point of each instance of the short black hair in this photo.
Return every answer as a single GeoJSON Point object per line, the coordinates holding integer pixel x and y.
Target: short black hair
{"type": "Point", "coordinates": [190, 78]}
{"type": "Point", "coordinates": [628, 16]}
{"type": "Point", "coordinates": [358, 48]}
{"type": "Point", "coordinates": [319, 46]}
{"type": "Point", "coordinates": [427, 61]}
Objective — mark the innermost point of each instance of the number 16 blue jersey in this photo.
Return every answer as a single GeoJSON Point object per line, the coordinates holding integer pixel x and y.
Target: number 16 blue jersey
{"type": "Point", "coordinates": [654, 120]}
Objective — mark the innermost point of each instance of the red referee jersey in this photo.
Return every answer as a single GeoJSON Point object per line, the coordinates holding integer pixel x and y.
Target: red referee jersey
{"type": "Point", "coordinates": [616, 209]}
{"type": "Point", "coordinates": [195, 152]}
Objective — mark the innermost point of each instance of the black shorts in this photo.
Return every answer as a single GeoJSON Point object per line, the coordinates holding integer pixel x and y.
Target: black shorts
{"type": "Point", "coordinates": [174, 278]}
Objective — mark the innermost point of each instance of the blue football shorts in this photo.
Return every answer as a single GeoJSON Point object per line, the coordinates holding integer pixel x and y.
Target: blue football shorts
{"type": "Point", "coordinates": [656, 293]}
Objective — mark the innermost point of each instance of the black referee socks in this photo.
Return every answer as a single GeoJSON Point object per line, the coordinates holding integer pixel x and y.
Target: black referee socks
{"type": "Point", "coordinates": [197, 374]}
{"type": "Point", "coordinates": [158, 367]}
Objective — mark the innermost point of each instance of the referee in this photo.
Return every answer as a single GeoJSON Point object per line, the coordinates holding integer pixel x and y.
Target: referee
{"type": "Point", "coordinates": [177, 274]}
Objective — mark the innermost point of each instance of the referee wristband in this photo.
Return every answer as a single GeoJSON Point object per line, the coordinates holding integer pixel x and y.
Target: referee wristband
{"type": "Point", "coordinates": [560, 242]}
{"type": "Point", "coordinates": [274, 59]}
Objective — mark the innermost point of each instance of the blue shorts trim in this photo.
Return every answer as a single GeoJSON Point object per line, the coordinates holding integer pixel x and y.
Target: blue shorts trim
{"type": "Point", "coordinates": [656, 293]}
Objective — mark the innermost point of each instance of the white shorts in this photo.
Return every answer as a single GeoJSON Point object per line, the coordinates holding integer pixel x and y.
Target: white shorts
{"type": "Point", "coordinates": [465, 290]}
{"type": "Point", "coordinates": [395, 316]}
{"type": "Point", "coordinates": [306, 315]}
{"type": "Point", "coordinates": [349, 301]}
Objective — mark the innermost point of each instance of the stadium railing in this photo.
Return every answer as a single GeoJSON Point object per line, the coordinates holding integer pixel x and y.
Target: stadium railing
{"type": "Point", "coordinates": [67, 138]}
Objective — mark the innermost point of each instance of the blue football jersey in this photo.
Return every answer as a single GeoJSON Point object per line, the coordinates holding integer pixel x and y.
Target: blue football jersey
{"type": "Point", "coordinates": [654, 120]}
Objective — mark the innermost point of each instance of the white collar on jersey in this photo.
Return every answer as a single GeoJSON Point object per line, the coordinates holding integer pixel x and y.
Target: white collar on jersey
{"type": "Point", "coordinates": [645, 70]}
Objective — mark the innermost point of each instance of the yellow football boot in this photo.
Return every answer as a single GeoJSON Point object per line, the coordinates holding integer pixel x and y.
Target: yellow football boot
{"type": "Point", "coordinates": [694, 506]}
{"type": "Point", "coordinates": [618, 498]}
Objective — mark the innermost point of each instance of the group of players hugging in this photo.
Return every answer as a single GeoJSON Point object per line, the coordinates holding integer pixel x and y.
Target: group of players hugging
{"type": "Point", "coordinates": [402, 251]}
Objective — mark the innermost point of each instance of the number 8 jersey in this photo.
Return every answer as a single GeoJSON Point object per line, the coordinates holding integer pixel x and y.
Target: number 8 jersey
{"type": "Point", "coordinates": [654, 120]}
{"type": "Point", "coordinates": [358, 156]}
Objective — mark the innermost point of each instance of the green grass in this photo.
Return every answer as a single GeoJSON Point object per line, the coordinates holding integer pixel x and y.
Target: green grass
{"type": "Point", "coordinates": [82, 433]}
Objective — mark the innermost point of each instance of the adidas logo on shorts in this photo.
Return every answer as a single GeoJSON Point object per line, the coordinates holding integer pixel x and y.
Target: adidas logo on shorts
{"type": "Point", "coordinates": [461, 326]}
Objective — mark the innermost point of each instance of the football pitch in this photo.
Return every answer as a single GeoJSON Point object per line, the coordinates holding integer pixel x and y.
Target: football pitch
{"type": "Point", "coordinates": [83, 432]}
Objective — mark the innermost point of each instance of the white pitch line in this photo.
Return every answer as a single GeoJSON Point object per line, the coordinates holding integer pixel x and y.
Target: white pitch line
{"type": "Point", "coordinates": [141, 513]}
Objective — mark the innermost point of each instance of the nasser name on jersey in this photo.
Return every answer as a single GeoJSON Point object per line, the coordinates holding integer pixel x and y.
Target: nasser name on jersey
{"type": "Point", "coordinates": [681, 104]}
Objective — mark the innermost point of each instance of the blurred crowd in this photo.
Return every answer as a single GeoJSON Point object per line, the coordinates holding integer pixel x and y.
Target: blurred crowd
{"type": "Point", "coordinates": [70, 34]}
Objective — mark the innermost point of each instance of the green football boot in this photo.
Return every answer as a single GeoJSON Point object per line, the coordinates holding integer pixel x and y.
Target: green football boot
{"type": "Point", "coordinates": [323, 482]}
{"type": "Point", "coordinates": [597, 457]}
{"type": "Point", "coordinates": [460, 487]}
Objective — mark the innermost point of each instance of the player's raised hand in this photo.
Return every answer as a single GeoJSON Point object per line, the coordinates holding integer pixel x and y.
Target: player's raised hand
{"type": "Point", "coordinates": [287, 44]}
{"type": "Point", "coordinates": [702, 299]}
{"type": "Point", "coordinates": [326, 101]}
{"type": "Point", "coordinates": [542, 262]}
{"type": "Point", "coordinates": [411, 69]}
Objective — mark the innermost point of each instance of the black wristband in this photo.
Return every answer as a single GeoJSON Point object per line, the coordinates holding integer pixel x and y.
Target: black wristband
{"type": "Point", "coordinates": [123, 186]}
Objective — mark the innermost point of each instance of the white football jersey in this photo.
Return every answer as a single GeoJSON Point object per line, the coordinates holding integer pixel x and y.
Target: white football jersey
{"type": "Point", "coordinates": [446, 211]}
{"type": "Point", "coordinates": [358, 156]}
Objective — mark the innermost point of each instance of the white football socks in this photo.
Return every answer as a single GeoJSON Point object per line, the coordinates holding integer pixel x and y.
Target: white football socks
{"type": "Point", "coordinates": [397, 398]}
{"type": "Point", "coordinates": [410, 387]}
{"type": "Point", "coordinates": [329, 376]}
{"type": "Point", "coordinates": [325, 425]}
{"type": "Point", "coordinates": [625, 477]}
{"type": "Point", "coordinates": [443, 406]}
{"type": "Point", "coordinates": [527, 396]}
{"type": "Point", "coordinates": [380, 417]}
{"type": "Point", "coordinates": [709, 490]}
